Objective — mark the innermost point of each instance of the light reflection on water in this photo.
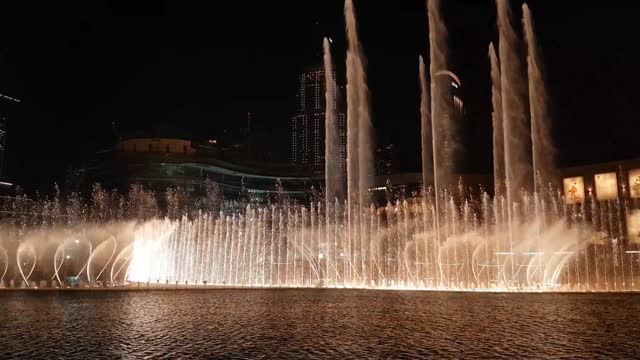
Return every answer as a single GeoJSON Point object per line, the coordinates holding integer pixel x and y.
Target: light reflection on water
{"type": "Point", "coordinates": [317, 324]}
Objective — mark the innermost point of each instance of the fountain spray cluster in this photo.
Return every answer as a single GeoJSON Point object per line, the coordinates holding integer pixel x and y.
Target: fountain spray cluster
{"type": "Point", "coordinates": [451, 236]}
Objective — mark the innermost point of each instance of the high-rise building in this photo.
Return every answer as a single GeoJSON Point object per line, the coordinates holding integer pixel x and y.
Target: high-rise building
{"type": "Point", "coordinates": [7, 108]}
{"type": "Point", "coordinates": [385, 159]}
{"type": "Point", "coordinates": [307, 125]}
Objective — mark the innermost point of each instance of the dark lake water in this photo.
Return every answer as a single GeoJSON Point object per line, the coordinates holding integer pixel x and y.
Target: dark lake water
{"type": "Point", "coordinates": [314, 324]}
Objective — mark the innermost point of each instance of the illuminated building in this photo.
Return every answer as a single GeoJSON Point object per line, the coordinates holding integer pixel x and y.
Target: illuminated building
{"type": "Point", "coordinates": [7, 108]}
{"type": "Point", "coordinates": [161, 163]}
{"type": "Point", "coordinates": [385, 159]}
{"type": "Point", "coordinates": [307, 124]}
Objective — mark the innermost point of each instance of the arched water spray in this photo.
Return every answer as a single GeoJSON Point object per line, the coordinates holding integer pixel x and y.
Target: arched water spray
{"type": "Point", "coordinates": [108, 247]}
{"type": "Point", "coordinates": [26, 258]}
{"type": "Point", "coordinates": [444, 239]}
{"type": "Point", "coordinates": [4, 264]}
{"type": "Point", "coordinates": [120, 262]}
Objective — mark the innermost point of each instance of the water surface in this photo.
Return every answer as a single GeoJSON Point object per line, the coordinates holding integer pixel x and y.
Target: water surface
{"type": "Point", "coordinates": [315, 324]}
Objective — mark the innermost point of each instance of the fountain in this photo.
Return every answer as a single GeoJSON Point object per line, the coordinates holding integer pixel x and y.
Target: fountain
{"type": "Point", "coordinates": [523, 238]}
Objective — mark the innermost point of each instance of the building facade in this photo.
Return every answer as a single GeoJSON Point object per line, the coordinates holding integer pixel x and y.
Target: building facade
{"type": "Point", "coordinates": [385, 159]}
{"type": "Point", "coordinates": [308, 122]}
{"type": "Point", "coordinates": [7, 109]}
{"type": "Point", "coordinates": [161, 163]}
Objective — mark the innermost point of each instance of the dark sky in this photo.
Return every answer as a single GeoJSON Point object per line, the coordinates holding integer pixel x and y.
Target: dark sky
{"type": "Point", "coordinates": [201, 66]}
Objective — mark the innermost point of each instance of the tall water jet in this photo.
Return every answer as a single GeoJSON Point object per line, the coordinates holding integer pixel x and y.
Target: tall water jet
{"type": "Point", "coordinates": [441, 126]}
{"type": "Point", "coordinates": [359, 128]}
{"type": "Point", "coordinates": [425, 122]}
{"type": "Point", "coordinates": [359, 149]}
{"type": "Point", "coordinates": [542, 146]}
{"type": "Point", "coordinates": [332, 167]}
{"type": "Point", "coordinates": [517, 141]}
{"type": "Point", "coordinates": [498, 126]}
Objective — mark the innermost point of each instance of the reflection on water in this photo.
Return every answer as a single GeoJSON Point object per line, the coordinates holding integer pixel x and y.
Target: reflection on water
{"type": "Point", "coordinates": [317, 324]}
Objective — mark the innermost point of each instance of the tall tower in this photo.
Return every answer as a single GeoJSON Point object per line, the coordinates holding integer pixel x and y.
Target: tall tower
{"type": "Point", "coordinates": [307, 124]}
{"type": "Point", "coordinates": [7, 108]}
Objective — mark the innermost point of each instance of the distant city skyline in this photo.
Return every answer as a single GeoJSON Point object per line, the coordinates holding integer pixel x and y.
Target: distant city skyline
{"type": "Point", "coordinates": [201, 67]}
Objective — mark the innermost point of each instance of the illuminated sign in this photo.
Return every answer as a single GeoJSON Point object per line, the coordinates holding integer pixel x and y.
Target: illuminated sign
{"type": "Point", "coordinates": [634, 183]}
{"type": "Point", "coordinates": [633, 226]}
{"type": "Point", "coordinates": [606, 186]}
{"type": "Point", "coordinates": [573, 190]}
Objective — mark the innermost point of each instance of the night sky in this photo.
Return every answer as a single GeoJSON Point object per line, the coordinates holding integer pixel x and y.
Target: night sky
{"type": "Point", "coordinates": [199, 67]}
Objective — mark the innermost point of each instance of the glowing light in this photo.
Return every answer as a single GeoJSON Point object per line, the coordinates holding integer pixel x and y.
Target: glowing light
{"type": "Point", "coordinates": [573, 190]}
{"type": "Point", "coordinates": [320, 256]}
{"type": "Point", "coordinates": [454, 84]}
{"type": "Point", "coordinates": [77, 241]}
{"type": "Point", "coordinates": [633, 226]}
{"type": "Point", "coordinates": [606, 186]}
{"type": "Point", "coordinates": [634, 183]}
{"type": "Point", "coordinates": [68, 256]}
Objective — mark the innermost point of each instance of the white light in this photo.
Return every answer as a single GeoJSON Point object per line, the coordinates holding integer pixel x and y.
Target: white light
{"type": "Point", "coordinates": [68, 256]}
{"type": "Point", "coordinates": [4, 183]}
{"type": "Point", "coordinates": [633, 252]}
{"type": "Point", "coordinates": [77, 241]}
{"type": "Point", "coordinates": [503, 253]}
{"type": "Point", "coordinates": [454, 84]}
{"type": "Point", "coordinates": [330, 40]}
{"type": "Point", "coordinates": [378, 188]}
{"type": "Point", "coordinates": [320, 256]}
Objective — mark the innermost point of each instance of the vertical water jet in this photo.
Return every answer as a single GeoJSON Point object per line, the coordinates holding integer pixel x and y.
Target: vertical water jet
{"type": "Point", "coordinates": [332, 170]}
{"type": "Point", "coordinates": [425, 121]}
{"type": "Point", "coordinates": [518, 173]}
{"type": "Point", "coordinates": [497, 121]}
{"type": "Point", "coordinates": [543, 150]}
{"type": "Point", "coordinates": [359, 128]}
{"type": "Point", "coordinates": [441, 127]}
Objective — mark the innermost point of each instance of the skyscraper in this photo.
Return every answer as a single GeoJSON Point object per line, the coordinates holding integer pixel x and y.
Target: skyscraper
{"type": "Point", "coordinates": [7, 107]}
{"type": "Point", "coordinates": [307, 124]}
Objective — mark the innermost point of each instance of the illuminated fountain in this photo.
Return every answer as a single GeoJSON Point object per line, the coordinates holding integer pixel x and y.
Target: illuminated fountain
{"type": "Point", "coordinates": [526, 237]}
